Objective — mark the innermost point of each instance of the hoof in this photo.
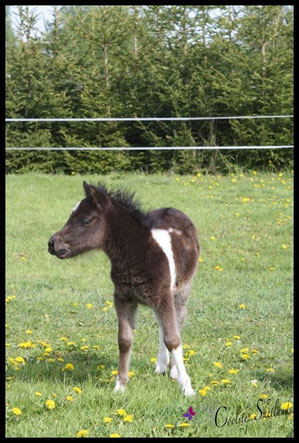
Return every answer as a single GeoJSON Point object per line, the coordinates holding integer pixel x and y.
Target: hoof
{"type": "Point", "coordinates": [119, 387]}
{"type": "Point", "coordinates": [188, 392]}
{"type": "Point", "coordinates": [186, 387]}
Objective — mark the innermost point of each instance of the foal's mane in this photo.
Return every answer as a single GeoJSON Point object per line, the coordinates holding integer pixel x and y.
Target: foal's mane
{"type": "Point", "coordinates": [126, 200]}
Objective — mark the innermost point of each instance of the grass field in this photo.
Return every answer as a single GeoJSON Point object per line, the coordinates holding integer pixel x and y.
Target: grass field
{"type": "Point", "coordinates": [61, 330]}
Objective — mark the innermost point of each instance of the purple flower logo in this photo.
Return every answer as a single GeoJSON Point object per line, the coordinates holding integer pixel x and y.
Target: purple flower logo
{"type": "Point", "coordinates": [189, 414]}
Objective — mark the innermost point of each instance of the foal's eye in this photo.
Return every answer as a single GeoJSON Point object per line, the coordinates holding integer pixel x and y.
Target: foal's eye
{"type": "Point", "coordinates": [84, 221]}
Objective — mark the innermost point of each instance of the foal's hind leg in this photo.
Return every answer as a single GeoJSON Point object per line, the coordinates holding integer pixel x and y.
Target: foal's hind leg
{"type": "Point", "coordinates": [172, 340]}
{"type": "Point", "coordinates": [163, 357]}
{"type": "Point", "coordinates": [126, 312]}
{"type": "Point", "coordinates": [180, 300]}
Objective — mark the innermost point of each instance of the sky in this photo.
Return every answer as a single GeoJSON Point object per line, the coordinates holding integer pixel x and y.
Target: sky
{"type": "Point", "coordinates": [44, 13]}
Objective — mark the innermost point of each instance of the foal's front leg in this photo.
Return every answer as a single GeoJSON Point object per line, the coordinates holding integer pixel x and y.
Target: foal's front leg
{"type": "Point", "coordinates": [126, 318]}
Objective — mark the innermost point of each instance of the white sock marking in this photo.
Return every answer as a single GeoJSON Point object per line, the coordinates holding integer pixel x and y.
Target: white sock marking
{"type": "Point", "coordinates": [183, 378]}
{"type": "Point", "coordinates": [163, 239]}
{"type": "Point", "coordinates": [118, 386]}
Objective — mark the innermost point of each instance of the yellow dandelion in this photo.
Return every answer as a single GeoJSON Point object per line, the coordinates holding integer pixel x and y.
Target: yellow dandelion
{"type": "Point", "coordinates": [69, 398]}
{"type": "Point", "coordinates": [254, 351]}
{"type": "Point", "coordinates": [50, 404]}
{"type": "Point", "coordinates": [153, 359]}
{"type": "Point", "coordinates": [26, 344]}
{"type": "Point", "coordinates": [63, 338]}
{"type": "Point", "coordinates": [20, 360]}
{"type": "Point", "coordinates": [114, 372]}
{"type": "Point", "coordinates": [270, 370]}
{"type": "Point", "coordinates": [131, 373]}
{"type": "Point", "coordinates": [185, 346]}
{"type": "Point", "coordinates": [284, 246]}
{"type": "Point", "coordinates": [245, 356]}
{"type": "Point", "coordinates": [128, 418]}
{"type": "Point", "coordinates": [252, 416]}
{"type": "Point", "coordinates": [28, 331]}
{"type": "Point", "coordinates": [107, 419]}
{"type": "Point", "coordinates": [228, 343]}
{"type": "Point", "coordinates": [184, 425]}
{"type": "Point", "coordinates": [68, 367]}
{"type": "Point", "coordinates": [60, 359]}
{"type": "Point", "coordinates": [200, 260]}
{"type": "Point", "coordinates": [237, 337]}
{"type": "Point", "coordinates": [17, 411]}
{"type": "Point", "coordinates": [105, 309]}
{"type": "Point", "coordinates": [233, 371]}
{"type": "Point", "coordinates": [242, 306]}
{"type": "Point", "coordinates": [83, 433]}
{"type": "Point", "coordinates": [77, 389]}
{"type": "Point", "coordinates": [38, 394]}
{"type": "Point", "coordinates": [264, 396]}
{"type": "Point", "coordinates": [114, 435]}
{"type": "Point", "coordinates": [202, 392]}
{"type": "Point", "coordinates": [121, 412]}
{"type": "Point", "coordinates": [217, 364]}
{"type": "Point", "coordinates": [169, 426]}
{"type": "Point", "coordinates": [225, 381]}
{"type": "Point", "coordinates": [215, 382]}
{"type": "Point", "coordinates": [244, 350]}
{"type": "Point", "coordinates": [100, 367]}
{"type": "Point", "coordinates": [212, 237]}
{"type": "Point", "coordinates": [191, 352]}
{"type": "Point", "coordinates": [88, 305]}
{"type": "Point", "coordinates": [286, 406]}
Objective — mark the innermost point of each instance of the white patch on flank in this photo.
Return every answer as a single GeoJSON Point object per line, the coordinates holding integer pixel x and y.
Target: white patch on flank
{"type": "Point", "coordinates": [163, 239]}
{"type": "Point", "coordinates": [76, 206]}
{"type": "Point", "coordinates": [183, 378]}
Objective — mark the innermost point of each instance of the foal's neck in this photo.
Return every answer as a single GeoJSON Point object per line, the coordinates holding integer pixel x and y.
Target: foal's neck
{"type": "Point", "coordinates": [126, 238]}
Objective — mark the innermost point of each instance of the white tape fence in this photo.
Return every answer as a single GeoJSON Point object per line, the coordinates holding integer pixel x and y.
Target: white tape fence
{"type": "Point", "coordinates": [145, 148]}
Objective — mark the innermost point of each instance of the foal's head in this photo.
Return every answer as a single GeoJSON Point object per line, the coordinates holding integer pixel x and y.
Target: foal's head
{"type": "Point", "coordinates": [86, 227]}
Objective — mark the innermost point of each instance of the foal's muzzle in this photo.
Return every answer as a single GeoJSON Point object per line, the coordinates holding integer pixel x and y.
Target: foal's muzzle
{"type": "Point", "coordinates": [56, 246]}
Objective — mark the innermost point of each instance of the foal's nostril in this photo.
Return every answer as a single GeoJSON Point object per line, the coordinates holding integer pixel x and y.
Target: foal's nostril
{"type": "Point", "coordinates": [51, 246]}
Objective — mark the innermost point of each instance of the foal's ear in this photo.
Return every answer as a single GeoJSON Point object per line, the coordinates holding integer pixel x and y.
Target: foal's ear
{"type": "Point", "coordinates": [99, 197]}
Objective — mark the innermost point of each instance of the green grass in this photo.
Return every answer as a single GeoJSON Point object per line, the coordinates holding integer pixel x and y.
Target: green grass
{"type": "Point", "coordinates": [246, 234]}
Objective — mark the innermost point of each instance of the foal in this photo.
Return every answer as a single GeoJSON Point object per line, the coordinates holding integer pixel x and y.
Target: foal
{"type": "Point", "coordinates": [153, 261]}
